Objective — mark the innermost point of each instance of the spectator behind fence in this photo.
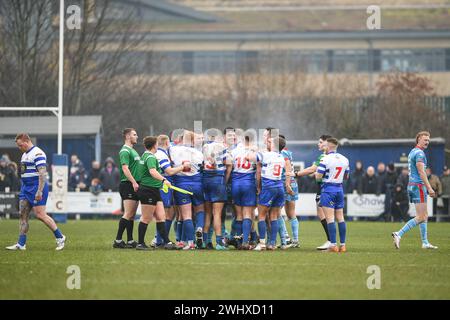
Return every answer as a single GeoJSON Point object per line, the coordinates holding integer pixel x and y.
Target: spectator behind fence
{"type": "Point", "coordinates": [15, 180]}
{"type": "Point", "coordinates": [356, 176]}
{"type": "Point", "coordinates": [369, 182]}
{"type": "Point", "coordinates": [390, 180]}
{"type": "Point", "coordinates": [445, 181]}
{"type": "Point", "coordinates": [435, 183]}
{"type": "Point", "coordinates": [399, 203]}
{"type": "Point", "coordinates": [5, 175]}
{"type": "Point", "coordinates": [403, 178]}
{"type": "Point", "coordinates": [95, 171]}
{"type": "Point", "coordinates": [78, 176]}
{"type": "Point", "coordinates": [96, 187]}
{"type": "Point", "coordinates": [382, 175]}
{"type": "Point", "coordinates": [110, 176]}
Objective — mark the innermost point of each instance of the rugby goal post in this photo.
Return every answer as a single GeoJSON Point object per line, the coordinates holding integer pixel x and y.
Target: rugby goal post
{"type": "Point", "coordinates": [57, 111]}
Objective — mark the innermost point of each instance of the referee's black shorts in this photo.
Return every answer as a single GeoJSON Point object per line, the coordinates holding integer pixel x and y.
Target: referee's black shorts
{"type": "Point", "coordinates": [149, 195]}
{"type": "Point", "coordinates": [127, 192]}
{"type": "Point", "coordinates": [318, 196]}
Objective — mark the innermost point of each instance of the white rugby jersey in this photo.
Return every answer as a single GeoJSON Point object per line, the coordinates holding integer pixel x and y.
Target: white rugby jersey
{"type": "Point", "coordinates": [164, 160]}
{"type": "Point", "coordinates": [218, 152]}
{"type": "Point", "coordinates": [241, 164]}
{"type": "Point", "coordinates": [333, 166]}
{"type": "Point", "coordinates": [273, 164]}
{"type": "Point", "coordinates": [29, 164]}
{"type": "Point", "coordinates": [179, 154]}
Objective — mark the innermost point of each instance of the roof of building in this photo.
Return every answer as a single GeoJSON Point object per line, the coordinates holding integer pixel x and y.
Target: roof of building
{"type": "Point", "coordinates": [368, 142]}
{"type": "Point", "coordinates": [72, 125]}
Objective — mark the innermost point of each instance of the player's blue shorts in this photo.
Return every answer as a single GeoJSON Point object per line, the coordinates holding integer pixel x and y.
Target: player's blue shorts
{"type": "Point", "coordinates": [244, 194]}
{"type": "Point", "coordinates": [214, 189]}
{"type": "Point", "coordinates": [288, 197]}
{"type": "Point", "coordinates": [196, 199]}
{"type": "Point", "coordinates": [271, 197]}
{"type": "Point", "coordinates": [417, 193]}
{"type": "Point", "coordinates": [332, 199]}
{"type": "Point", "coordinates": [167, 198]}
{"type": "Point", "coordinates": [28, 192]}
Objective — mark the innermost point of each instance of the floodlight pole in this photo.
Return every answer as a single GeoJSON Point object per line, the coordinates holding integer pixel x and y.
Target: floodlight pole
{"type": "Point", "coordinates": [61, 74]}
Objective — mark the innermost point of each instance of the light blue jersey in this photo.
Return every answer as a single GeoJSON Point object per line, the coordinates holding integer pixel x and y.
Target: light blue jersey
{"type": "Point", "coordinates": [416, 155]}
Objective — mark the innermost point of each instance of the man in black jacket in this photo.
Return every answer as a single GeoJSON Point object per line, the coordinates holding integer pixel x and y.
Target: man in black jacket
{"type": "Point", "coordinates": [369, 183]}
{"type": "Point", "coordinates": [399, 204]}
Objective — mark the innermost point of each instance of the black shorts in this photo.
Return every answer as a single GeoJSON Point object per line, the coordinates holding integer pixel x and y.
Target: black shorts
{"type": "Point", "coordinates": [149, 195]}
{"type": "Point", "coordinates": [127, 192]}
{"type": "Point", "coordinates": [318, 197]}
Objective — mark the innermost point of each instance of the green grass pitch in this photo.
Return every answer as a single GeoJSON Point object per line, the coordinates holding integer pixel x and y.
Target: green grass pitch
{"type": "Point", "coordinates": [304, 273]}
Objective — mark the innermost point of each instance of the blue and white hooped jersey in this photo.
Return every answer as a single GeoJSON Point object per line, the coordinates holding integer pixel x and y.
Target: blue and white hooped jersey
{"type": "Point", "coordinates": [218, 153]}
{"type": "Point", "coordinates": [164, 160]}
{"type": "Point", "coordinates": [334, 166]}
{"type": "Point", "coordinates": [243, 168]}
{"type": "Point", "coordinates": [180, 154]}
{"type": "Point", "coordinates": [273, 164]}
{"type": "Point", "coordinates": [416, 155]}
{"type": "Point", "coordinates": [29, 164]}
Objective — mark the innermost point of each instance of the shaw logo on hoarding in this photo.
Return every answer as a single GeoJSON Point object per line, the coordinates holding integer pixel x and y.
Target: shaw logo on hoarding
{"type": "Point", "coordinates": [362, 201]}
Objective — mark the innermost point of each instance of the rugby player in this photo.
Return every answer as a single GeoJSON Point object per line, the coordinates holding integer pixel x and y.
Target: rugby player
{"type": "Point", "coordinates": [290, 196]}
{"type": "Point", "coordinates": [322, 146]}
{"type": "Point", "coordinates": [418, 189]}
{"type": "Point", "coordinates": [163, 157]}
{"type": "Point", "coordinates": [33, 192]}
{"type": "Point", "coordinates": [332, 171]}
{"type": "Point", "coordinates": [242, 169]}
{"type": "Point", "coordinates": [191, 180]}
{"type": "Point", "coordinates": [270, 188]}
{"type": "Point", "coordinates": [214, 187]}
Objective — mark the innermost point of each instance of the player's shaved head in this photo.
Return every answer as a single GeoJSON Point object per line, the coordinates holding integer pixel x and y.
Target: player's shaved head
{"type": "Point", "coordinates": [23, 137]}
{"type": "Point", "coordinates": [163, 139]}
{"type": "Point", "coordinates": [333, 141]}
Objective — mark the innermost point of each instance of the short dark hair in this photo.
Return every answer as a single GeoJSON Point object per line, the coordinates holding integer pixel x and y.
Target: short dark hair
{"type": "Point", "coordinates": [282, 136]}
{"type": "Point", "coordinates": [149, 142]}
{"type": "Point", "coordinates": [333, 140]}
{"type": "Point", "coordinates": [127, 131]}
{"type": "Point", "coordinates": [23, 137]}
{"type": "Point", "coordinates": [228, 129]}
{"type": "Point", "coordinates": [281, 143]}
{"type": "Point", "coordinates": [325, 137]}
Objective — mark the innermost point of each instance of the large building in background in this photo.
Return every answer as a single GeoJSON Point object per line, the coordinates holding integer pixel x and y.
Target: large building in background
{"type": "Point", "coordinates": [200, 39]}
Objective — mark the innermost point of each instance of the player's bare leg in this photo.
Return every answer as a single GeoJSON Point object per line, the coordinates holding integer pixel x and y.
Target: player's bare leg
{"type": "Point", "coordinates": [41, 214]}
{"type": "Point", "coordinates": [24, 211]}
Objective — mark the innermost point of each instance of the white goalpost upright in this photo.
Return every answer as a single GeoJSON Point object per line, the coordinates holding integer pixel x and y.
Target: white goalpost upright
{"type": "Point", "coordinates": [57, 111]}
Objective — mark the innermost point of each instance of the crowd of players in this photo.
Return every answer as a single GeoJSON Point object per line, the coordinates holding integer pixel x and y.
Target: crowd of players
{"type": "Point", "coordinates": [218, 170]}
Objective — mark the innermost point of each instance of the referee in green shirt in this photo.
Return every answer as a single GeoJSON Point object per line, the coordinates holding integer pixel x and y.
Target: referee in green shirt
{"type": "Point", "coordinates": [149, 195]}
{"type": "Point", "coordinates": [129, 178]}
